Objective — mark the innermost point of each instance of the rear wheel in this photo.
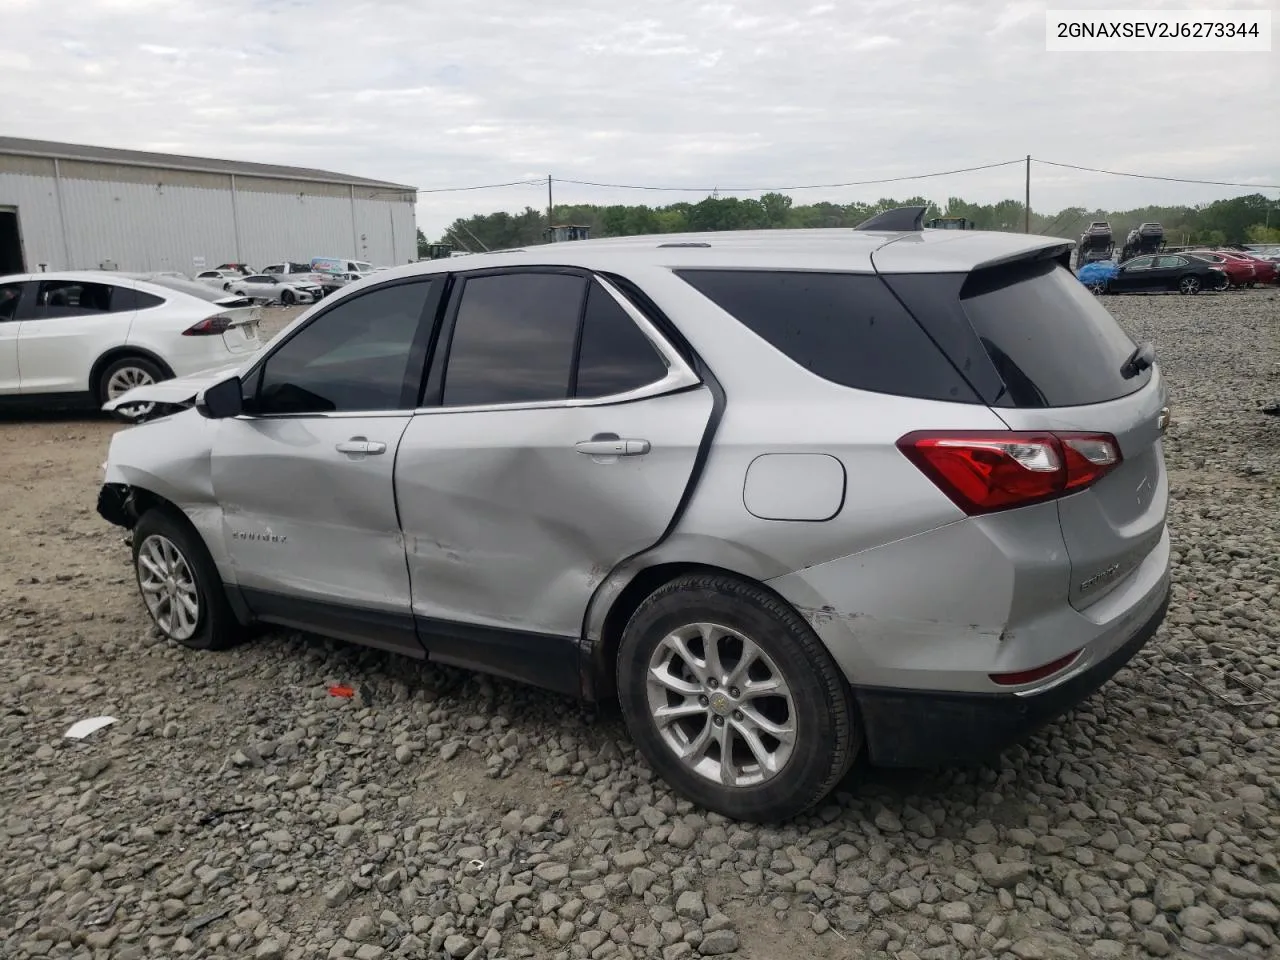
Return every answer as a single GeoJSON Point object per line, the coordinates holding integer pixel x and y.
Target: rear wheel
{"type": "Point", "coordinates": [179, 583]}
{"type": "Point", "coordinates": [733, 699]}
{"type": "Point", "coordinates": [1189, 286]}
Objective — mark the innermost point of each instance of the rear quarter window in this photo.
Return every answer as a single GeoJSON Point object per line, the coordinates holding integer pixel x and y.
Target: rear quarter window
{"type": "Point", "coordinates": [1050, 339]}
{"type": "Point", "coordinates": [847, 328]}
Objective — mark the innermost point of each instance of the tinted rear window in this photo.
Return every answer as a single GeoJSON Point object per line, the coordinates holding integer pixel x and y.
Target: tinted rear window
{"type": "Point", "coordinates": [844, 327]}
{"type": "Point", "coordinates": [1051, 340]}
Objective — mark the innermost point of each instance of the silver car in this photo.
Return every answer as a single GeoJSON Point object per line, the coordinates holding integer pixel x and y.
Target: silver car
{"type": "Point", "coordinates": [786, 496]}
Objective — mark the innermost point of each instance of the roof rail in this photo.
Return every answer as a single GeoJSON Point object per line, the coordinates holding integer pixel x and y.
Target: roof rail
{"type": "Point", "coordinates": [896, 220]}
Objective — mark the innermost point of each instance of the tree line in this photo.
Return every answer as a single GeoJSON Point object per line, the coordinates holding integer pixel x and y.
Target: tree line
{"type": "Point", "coordinates": [1248, 219]}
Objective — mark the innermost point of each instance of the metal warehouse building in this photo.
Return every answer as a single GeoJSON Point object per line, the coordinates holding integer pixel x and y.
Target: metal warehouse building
{"type": "Point", "coordinates": [70, 207]}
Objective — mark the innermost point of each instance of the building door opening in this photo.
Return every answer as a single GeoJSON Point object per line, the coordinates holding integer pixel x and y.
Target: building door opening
{"type": "Point", "coordinates": [11, 260]}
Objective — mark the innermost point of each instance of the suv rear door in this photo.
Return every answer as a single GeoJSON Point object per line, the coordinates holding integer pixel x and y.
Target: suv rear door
{"type": "Point", "coordinates": [1062, 356]}
{"type": "Point", "coordinates": [558, 437]}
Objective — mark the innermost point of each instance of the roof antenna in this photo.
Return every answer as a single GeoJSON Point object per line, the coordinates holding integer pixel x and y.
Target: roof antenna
{"type": "Point", "coordinates": [897, 220]}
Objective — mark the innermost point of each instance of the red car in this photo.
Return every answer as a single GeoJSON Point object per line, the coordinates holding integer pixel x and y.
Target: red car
{"type": "Point", "coordinates": [1239, 271]}
{"type": "Point", "coordinates": [1264, 270]}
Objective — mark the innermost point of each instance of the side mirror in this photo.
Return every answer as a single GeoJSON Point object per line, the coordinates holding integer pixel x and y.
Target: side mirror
{"type": "Point", "coordinates": [222, 400]}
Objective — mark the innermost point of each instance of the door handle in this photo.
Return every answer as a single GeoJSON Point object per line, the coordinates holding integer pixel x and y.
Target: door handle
{"type": "Point", "coordinates": [360, 446]}
{"type": "Point", "coordinates": [613, 448]}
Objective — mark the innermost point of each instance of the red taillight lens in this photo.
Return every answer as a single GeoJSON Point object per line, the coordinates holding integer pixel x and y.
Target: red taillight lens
{"type": "Point", "coordinates": [208, 327]}
{"type": "Point", "coordinates": [983, 472]}
{"type": "Point", "coordinates": [1035, 673]}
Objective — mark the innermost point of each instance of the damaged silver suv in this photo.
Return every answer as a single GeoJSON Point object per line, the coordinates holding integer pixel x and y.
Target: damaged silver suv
{"type": "Point", "coordinates": [786, 496]}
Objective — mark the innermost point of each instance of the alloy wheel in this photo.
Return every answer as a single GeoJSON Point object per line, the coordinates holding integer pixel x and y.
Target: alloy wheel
{"type": "Point", "coordinates": [721, 705]}
{"type": "Point", "coordinates": [1189, 285]}
{"type": "Point", "coordinates": [168, 587]}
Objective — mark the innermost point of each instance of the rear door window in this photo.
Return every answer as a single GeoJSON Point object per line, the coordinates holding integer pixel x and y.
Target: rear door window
{"type": "Point", "coordinates": [10, 294]}
{"type": "Point", "coordinates": [1051, 340]}
{"type": "Point", "coordinates": [513, 339]}
{"type": "Point", "coordinates": [847, 328]}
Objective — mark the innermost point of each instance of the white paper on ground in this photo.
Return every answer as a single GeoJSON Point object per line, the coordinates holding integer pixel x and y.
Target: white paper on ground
{"type": "Point", "coordinates": [83, 728]}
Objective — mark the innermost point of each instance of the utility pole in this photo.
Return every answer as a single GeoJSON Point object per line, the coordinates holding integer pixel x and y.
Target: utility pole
{"type": "Point", "coordinates": [550, 207]}
{"type": "Point", "coordinates": [1026, 206]}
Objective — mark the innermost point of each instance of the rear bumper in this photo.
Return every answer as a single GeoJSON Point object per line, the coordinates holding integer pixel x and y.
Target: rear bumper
{"type": "Point", "coordinates": [924, 728]}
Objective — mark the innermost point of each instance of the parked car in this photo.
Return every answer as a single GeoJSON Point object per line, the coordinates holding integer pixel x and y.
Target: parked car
{"type": "Point", "coordinates": [1166, 272]}
{"type": "Point", "coordinates": [785, 508]}
{"type": "Point", "coordinates": [243, 269]}
{"type": "Point", "coordinates": [292, 269]}
{"type": "Point", "coordinates": [1240, 271]}
{"type": "Point", "coordinates": [1264, 268]}
{"type": "Point", "coordinates": [90, 337]}
{"type": "Point", "coordinates": [222, 279]}
{"type": "Point", "coordinates": [1097, 274]}
{"type": "Point", "coordinates": [341, 267]}
{"type": "Point", "coordinates": [276, 288]}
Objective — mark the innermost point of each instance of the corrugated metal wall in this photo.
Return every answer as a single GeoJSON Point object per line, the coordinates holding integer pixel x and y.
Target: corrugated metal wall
{"type": "Point", "coordinates": [146, 219]}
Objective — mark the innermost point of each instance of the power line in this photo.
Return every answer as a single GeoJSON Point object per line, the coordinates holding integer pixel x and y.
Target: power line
{"type": "Point", "coordinates": [1149, 176]}
{"type": "Point", "coordinates": [481, 186]}
{"type": "Point", "coordinates": [806, 186]}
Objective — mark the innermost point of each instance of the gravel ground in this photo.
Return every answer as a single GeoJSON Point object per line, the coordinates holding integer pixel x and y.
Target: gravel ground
{"type": "Point", "coordinates": [237, 809]}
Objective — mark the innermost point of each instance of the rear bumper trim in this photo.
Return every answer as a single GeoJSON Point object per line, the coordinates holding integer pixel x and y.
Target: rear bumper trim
{"type": "Point", "coordinates": [927, 728]}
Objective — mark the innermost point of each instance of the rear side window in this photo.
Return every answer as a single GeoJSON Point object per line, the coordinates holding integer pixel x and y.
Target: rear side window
{"type": "Point", "coordinates": [847, 328]}
{"type": "Point", "coordinates": [1052, 342]}
{"type": "Point", "coordinates": [615, 356]}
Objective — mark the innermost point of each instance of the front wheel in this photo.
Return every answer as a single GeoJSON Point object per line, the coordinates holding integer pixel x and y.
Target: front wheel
{"type": "Point", "coordinates": [287, 298]}
{"type": "Point", "coordinates": [1189, 286]}
{"type": "Point", "coordinates": [1099, 287]}
{"type": "Point", "coordinates": [179, 583]}
{"type": "Point", "coordinates": [733, 699]}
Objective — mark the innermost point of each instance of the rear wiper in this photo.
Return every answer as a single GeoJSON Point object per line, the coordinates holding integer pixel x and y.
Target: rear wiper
{"type": "Point", "coordinates": [1143, 356]}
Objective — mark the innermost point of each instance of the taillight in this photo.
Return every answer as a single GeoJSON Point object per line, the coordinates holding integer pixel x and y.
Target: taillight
{"type": "Point", "coordinates": [983, 472]}
{"type": "Point", "coordinates": [208, 327]}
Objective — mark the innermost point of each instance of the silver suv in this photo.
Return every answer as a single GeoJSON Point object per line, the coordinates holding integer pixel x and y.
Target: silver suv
{"type": "Point", "coordinates": [786, 496]}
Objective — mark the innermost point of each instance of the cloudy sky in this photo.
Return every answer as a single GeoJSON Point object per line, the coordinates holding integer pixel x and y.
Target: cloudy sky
{"type": "Point", "coordinates": [726, 93]}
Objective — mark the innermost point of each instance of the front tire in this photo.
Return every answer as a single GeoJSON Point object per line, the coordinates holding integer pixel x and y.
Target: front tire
{"type": "Point", "coordinates": [287, 298]}
{"type": "Point", "coordinates": [1189, 286]}
{"type": "Point", "coordinates": [122, 375]}
{"type": "Point", "coordinates": [179, 583]}
{"type": "Point", "coordinates": [733, 699]}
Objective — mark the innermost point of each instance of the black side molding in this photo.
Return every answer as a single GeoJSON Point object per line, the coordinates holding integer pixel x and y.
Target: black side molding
{"type": "Point", "coordinates": [897, 220]}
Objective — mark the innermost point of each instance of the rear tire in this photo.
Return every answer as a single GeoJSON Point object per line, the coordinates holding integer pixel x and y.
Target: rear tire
{"type": "Point", "coordinates": [771, 692]}
{"type": "Point", "coordinates": [179, 583]}
{"type": "Point", "coordinates": [1189, 286]}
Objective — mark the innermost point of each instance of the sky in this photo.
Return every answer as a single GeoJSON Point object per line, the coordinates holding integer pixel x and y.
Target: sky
{"type": "Point", "coordinates": [721, 94]}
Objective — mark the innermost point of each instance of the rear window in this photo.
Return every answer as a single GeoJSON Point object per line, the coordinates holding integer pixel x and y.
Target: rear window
{"type": "Point", "coordinates": [847, 328]}
{"type": "Point", "coordinates": [1051, 341]}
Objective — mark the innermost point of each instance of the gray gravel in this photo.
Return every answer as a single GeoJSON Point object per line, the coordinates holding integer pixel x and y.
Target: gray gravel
{"type": "Point", "coordinates": [239, 810]}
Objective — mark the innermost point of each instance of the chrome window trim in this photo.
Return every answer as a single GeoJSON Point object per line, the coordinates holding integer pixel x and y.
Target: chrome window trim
{"type": "Point", "coordinates": [680, 376]}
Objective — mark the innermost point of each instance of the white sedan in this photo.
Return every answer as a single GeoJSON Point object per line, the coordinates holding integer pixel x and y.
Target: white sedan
{"type": "Point", "coordinates": [222, 279]}
{"type": "Point", "coordinates": [270, 288]}
{"type": "Point", "coordinates": [90, 336]}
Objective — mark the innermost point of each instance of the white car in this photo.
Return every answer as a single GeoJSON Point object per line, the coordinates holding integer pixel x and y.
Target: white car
{"type": "Point", "coordinates": [90, 336]}
{"type": "Point", "coordinates": [222, 279]}
{"type": "Point", "coordinates": [270, 288]}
